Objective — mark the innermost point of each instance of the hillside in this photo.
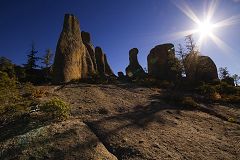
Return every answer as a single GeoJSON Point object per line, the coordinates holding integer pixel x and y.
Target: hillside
{"type": "Point", "coordinates": [124, 121]}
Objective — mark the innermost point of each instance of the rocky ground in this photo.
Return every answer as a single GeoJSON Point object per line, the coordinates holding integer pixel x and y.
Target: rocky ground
{"type": "Point", "coordinates": [124, 121]}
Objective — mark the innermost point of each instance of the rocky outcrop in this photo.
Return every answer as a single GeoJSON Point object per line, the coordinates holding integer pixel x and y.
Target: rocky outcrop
{"type": "Point", "coordinates": [134, 69]}
{"type": "Point", "coordinates": [103, 67]}
{"type": "Point", "coordinates": [108, 70]}
{"type": "Point", "coordinates": [200, 68]}
{"type": "Point", "coordinates": [100, 60]}
{"type": "Point", "coordinates": [72, 59]}
{"type": "Point", "coordinates": [121, 75]}
{"type": "Point", "coordinates": [78, 141]}
{"type": "Point", "coordinates": [162, 63]}
{"type": "Point", "coordinates": [91, 50]}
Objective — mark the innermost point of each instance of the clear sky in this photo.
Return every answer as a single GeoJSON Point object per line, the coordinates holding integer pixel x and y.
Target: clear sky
{"type": "Point", "coordinates": [117, 26]}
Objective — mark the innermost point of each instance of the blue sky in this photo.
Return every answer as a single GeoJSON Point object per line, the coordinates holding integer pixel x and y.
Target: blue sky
{"type": "Point", "coordinates": [116, 26]}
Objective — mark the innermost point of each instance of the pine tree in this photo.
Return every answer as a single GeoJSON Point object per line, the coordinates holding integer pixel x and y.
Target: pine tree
{"type": "Point", "coordinates": [223, 72]}
{"type": "Point", "coordinates": [181, 56]}
{"type": "Point", "coordinates": [32, 59]}
{"type": "Point", "coordinates": [191, 45]}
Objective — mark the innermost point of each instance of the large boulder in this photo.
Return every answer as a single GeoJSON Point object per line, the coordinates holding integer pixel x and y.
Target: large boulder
{"type": "Point", "coordinates": [91, 50]}
{"type": "Point", "coordinates": [134, 69]}
{"type": "Point", "coordinates": [72, 60]}
{"type": "Point", "coordinates": [103, 67]}
{"type": "Point", "coordinates": [162, 63]}
{"type": "Point", "coordinates": [200, 68]}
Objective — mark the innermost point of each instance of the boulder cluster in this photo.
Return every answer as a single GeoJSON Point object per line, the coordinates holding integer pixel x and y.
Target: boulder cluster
{"type": "Point", "coordinates": [163, 65]}
{"type": "Point", "coordinates": [76, 58]}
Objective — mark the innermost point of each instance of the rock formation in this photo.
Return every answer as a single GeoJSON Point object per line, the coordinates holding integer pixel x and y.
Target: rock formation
{"type": "Point", "coordinates": [108, 70]}
{"type": "Point", "coordinates": [121, 75]}
{"type": "Point", "coordinates": [134, 69]}
{"type": "Point", "coordinates": [91, 50]}
{"type": "Point", "coordinates": [72, 59]}
{"type": "Point", "coordinates": [102, 63]}
{"type": "Point", "coordinates": [200, 68]}
{"type": "Point", "coordinates": [161, 60]}
{"type": "Point", "coordinates": [100, 60]}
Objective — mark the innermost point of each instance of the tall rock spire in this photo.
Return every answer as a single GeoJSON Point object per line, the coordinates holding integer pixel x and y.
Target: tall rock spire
{"type": "Point", "coordinates": [72, 60]}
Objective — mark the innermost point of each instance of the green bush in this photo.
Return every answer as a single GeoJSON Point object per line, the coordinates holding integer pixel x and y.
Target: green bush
{"type": "Point", "coordinates": [207, 90]}
{"type": "Point", "coordinates": [57, 108]}
{"type": "Point", "coordinates": [225, 88]}
{"type": "Point", "coordinates": [9, 92]}
{"type": "Point", "coordinates": [27, 90]}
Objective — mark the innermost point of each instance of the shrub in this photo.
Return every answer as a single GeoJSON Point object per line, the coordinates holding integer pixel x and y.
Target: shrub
{"type": "Point", "coordinates": [57, 108]}
{"type": "Point", "coordinates": [9, 92]}
{"type": "Point", "coordinates": [231, 99]}
{"type": "Point", "coordinates": [173, 97]}
{"type": "Point", "coordinates": [166, 84]}
{"type": "Point", "coordinates": [232, 120]}
{"type": "Point", "coordinates": [189, 102]}
{"type": "Point", "coordinates": [181, 100]}
{"type": "Point", "coordinates": [207, 90]}
{"type": "Point", "coordinates": [39, 92]}
{"type": "Point", "coordinates": [225, 88]}
{"type": "Point", "coordinates": [27, 90]}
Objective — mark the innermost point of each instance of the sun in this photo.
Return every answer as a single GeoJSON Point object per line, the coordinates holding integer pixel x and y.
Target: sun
{"type": "Point", "coordinates": [205, 28]}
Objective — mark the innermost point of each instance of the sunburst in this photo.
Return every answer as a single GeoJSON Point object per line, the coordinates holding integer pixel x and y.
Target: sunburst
{"type": "Point", "coordinates": [205, 28]}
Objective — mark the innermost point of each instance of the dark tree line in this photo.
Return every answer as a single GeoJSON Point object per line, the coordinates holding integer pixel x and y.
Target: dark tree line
{"type": "Point", "coordinates": [36, 69]}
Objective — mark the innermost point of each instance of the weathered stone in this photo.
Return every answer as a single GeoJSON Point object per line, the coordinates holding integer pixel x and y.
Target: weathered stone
{"type": "Point", "coordinates": [121, 75]}
{"type": "Point", "coordinates": [72, 60]}
{"type": "Point", "coordinates": [134, 69]}
{"type": "Point", "coordinates": [91, 50]}
{"type": "Point", "coordinates": [200, 68]}
{"type": "Point", "coordinates": [103, 67]}
{"type": "Point", "coordinates": [100, 60]}
{"type": "Point", "coordinates": [108, 70]}
{"type": "Point", "coordinates": [161, 61]}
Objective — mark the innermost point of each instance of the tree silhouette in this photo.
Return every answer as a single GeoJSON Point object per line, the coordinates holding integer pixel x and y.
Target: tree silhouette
{"type": "Point", "coordinates": [223, 72]}
{"type": "Point", "coordinates": [236, 79]}
{"type": "Point", "coordinates": [191, 45]}
{"type": "Point", "coordinates": [181, 56]}
{"type": "Point", "coordinates": [47, 58]}
{"type": "Point", "coordinates": [32, 59]}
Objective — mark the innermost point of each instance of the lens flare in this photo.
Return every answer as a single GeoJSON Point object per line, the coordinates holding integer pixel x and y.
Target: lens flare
{"type": "Point", "coordinates": [205, 28]}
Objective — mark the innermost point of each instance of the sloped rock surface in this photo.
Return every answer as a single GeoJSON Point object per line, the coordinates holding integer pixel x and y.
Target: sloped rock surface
{"type": "Point", "coordinates": [71, 139]}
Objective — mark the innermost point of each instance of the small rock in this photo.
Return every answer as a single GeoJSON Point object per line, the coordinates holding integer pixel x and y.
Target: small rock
{"type": "Point", "coordinates": [169, 112]}
{"type": "Point", "coordinates": [156, 145]}
{"type": "Point", "coordinates": [141, 141]}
